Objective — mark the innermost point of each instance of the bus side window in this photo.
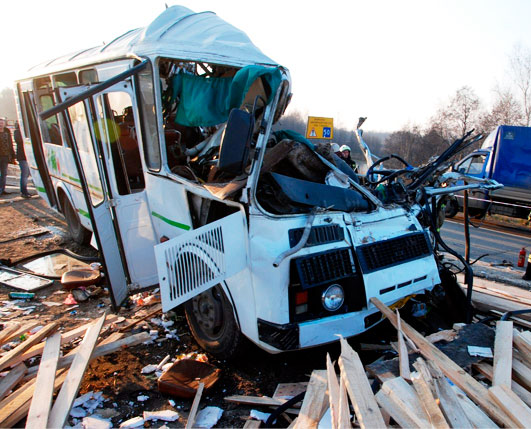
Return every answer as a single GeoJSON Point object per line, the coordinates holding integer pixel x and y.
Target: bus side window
{"type": "Point", "coordinates": [51, 127]}
{"type": "Point", "coordinates": [116, 118]}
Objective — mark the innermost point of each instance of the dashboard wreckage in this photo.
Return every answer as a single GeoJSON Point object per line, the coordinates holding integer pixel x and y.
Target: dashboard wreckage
{"type": "Point", "coordinates": [159, 146]}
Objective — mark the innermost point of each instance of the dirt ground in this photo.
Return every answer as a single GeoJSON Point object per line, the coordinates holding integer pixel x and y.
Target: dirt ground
{"type": "Point", "coordinates": [29, 227]}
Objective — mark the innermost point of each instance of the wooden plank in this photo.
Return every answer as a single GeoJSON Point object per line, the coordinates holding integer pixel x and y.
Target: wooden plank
{"type": "Point", "coordinates": [344, 410]}
{"type": "Point", "coordinates": [254, 400]}
{"type": "Point", "coordinates": [359, 389]}
{"type": "Point", "coordinates": [99, 351]}
{"type": "Point", "coordinates": [423, 370]}
{"type": "Point", "coordinates": [403, 357]}
{"type": "Point", "coordinates": [22, 329]}
{"type": "Point", "coordinates": [405, 398]}
{"type": "Point", "coordinates": [18, 408]}
{"type": "Point", "coordinates": [287, 391]}
{"type": "Point", "coordinates": [315, 401]}
{"type": "Point", "coordinates": [522, 342]}
{"type": "Point", "coordinates": [115, 336]}
{"type": "Point", "coordinates": [66, 337]}
{"type": "Point", "coordinates": [333, 392]}
{"type": "Point", "coordinates": [195, 406]}
{"type": "Point", "coordinates": [8, 329]}
{"type": "Point", "coordinates": [42, 399]}
{"type": "Point", "coordinates": [521, 392]}
{"type": "Point", "coordinates": [512, 405]}
{"type": "Point", "coordinates": [68, 392]}
{"type": "Point", "coordinates": [8, 358]}
{"type": "Point", "coordinates": [521, 322]}
{"type": "Point", "coordinates": [449, 403]}
{"type": "Point", "coordinates": [521, 373]}
{"type": "Point", "coordinates": [486, 302]}
{"type": "Point", "coordinates": [252, 424]}
{"type": "Point", "coordinates": [473, 413]}
{"type": "Point", "coordinates": [446, 335]}
{"type": "Point", "coordinates": [11, 380]}
{"type": "Point", "coordinates": [454, 372]}
{"type": "Point", "coordinates": [428, 402]}
{"type": "Point", "coordinates": [503, 354]}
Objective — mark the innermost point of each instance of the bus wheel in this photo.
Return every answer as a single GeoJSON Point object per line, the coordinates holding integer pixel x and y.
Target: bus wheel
{"type": "Point", "coordinates": [211, 320]}
{"type": "Point", "coordinates": [79, 233]}
{"type": "Point", "coordinates": [452, 207]}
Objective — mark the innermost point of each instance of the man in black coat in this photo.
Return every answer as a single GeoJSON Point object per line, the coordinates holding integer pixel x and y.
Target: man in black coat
{"type": "Point", "coordinates": [22, 162]}
{"type": "Point", "coordinates": [7, 154]}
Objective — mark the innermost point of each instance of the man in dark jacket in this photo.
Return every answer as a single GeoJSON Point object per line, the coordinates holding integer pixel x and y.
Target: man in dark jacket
{"type": "Point", "coordinates": [21, 159]}
{"type": "Point", "coordinates": [7, 154]}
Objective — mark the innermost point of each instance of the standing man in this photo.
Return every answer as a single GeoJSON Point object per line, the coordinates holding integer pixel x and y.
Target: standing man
{"type": "Point", "coordinates": [21, 158]}
{"type": "Point", "coordinates": [345, 150]}
{"type": "Point", "coordinates": [6, 154]}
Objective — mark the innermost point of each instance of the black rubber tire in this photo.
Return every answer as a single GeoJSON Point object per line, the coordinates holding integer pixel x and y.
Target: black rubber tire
{"type": "Point", "coordinates": [78, 232]}
{"type": "Point", "coordinates": [452, 208]}
{"type": "Point", "coordinates": [222, 338]}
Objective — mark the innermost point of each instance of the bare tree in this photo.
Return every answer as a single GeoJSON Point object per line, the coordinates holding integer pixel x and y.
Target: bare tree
{"type": "Point", "coordinates": [459, 116]}
{"type": "Point", "coordinates": [505, 111]}
{"type": "Point", "coordinates": [520, 70]}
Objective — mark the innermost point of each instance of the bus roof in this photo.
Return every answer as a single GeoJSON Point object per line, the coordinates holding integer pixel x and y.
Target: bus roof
{"type": "Point", "coordinates": [178, 33]}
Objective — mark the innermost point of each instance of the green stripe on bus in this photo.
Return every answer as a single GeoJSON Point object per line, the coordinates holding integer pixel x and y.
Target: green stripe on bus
{"type": "Point", "coordinates": [83, 213]}
{"type": "Point", "coordinates": [40, 189]}
{"type": "Point", "coordinates": [74, 179]}
{"type": "Point", "coordinates": [71, 178]}
{"type": "Point", "coordinates": [171, 222]}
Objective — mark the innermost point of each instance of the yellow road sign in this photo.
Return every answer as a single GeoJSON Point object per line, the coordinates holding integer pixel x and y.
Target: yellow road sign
{"type": "Point", "coordinates": [320, 128]}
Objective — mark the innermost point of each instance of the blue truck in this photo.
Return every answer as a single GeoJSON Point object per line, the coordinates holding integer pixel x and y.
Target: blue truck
{"type": "Point", "coordinates": [505, 156]}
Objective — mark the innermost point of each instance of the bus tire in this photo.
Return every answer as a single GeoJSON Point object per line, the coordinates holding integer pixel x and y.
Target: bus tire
{"type": "Point", "coordinates": [78, 232]}
{"type": "Point", "coordinates": [211, 320]}
{"type": "Point", "coordinates": [452, 208]}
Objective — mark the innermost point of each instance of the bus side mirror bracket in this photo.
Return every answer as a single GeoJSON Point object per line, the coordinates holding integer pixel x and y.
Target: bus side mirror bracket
{"type": "Point", "coordinates": [236, 142]}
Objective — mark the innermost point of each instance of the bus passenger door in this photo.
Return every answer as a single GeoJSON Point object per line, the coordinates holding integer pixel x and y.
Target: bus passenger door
{"type": "Point", "coordinates": [94, 177]}
{"type": "Point", "coordinates": [118, 133]}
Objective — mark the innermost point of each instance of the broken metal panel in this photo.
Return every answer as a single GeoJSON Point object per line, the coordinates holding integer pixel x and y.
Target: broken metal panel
{"type": "Point", "coordinates": [198, 260]}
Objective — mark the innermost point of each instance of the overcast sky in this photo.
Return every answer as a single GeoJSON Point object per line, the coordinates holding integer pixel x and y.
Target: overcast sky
{"type": "Point", "coordinates": [394, 61]}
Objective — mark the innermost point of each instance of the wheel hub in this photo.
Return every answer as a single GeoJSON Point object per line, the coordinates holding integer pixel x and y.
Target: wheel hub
{"type": "Point", "coordinates": [208, 311]}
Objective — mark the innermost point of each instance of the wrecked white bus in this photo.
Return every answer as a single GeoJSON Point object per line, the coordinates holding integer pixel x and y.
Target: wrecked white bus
{"type": "Point", "coordinates": [159, 146]}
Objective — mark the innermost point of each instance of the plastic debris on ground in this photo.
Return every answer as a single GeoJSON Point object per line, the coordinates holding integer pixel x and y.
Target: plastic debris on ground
{"type": "Point", "coordinates": [208, 417]}
{"type": "Point", "coordinates": [69, 300]}
{"type": "Point", "coordinates": [480, 351]}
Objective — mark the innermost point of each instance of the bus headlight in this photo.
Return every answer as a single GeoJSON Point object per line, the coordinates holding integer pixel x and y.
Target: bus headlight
{"type": "Point", "coordinates": [333, 297]}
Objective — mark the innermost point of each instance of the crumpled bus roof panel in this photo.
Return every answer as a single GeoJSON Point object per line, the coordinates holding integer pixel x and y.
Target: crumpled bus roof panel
{"type": "Point", "coordinates": [177, 32]}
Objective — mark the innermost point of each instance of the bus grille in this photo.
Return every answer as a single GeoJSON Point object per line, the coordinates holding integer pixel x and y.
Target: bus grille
{"type": "Point", "coordinates": [323, 234]}
{"type": "Point", "coordinates": [320, 268]}
{"type": "Point", "coordinates": [391, 252]}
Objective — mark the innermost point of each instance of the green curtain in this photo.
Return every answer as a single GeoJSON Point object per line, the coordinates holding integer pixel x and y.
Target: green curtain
{"type": "Point", "coordinates": [207, 101]}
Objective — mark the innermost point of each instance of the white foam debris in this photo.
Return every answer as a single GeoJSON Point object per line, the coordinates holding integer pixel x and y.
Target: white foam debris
{"type": "Point", "coordinates": [165, 415]}
{"type": "Point", "coordinates": [148, 369]}
{"type": "Point", "coordinates": [93, 422]}
{"type": "Point", "coordinates": [142, 398]}
{"type": "Point", "coordinates": [135, 422]}
{"type": "Point", "coordinates": [208, 417]}
{"type": "Point", "coordinates": [258, 415]}
{"type": "Point", "coordinates": [78, 412]}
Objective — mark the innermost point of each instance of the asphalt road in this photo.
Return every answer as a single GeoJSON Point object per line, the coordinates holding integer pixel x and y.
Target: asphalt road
{"type": "Point", "coordinates": [498, 245]}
